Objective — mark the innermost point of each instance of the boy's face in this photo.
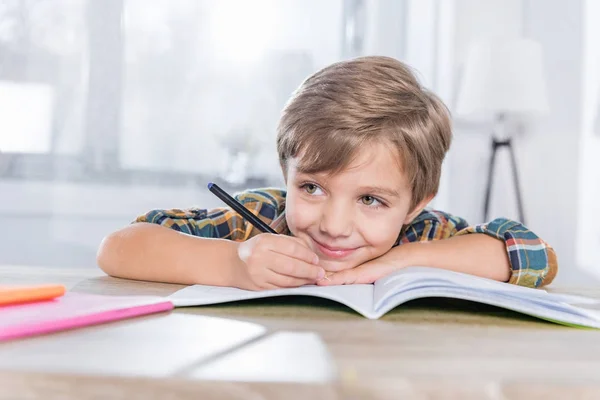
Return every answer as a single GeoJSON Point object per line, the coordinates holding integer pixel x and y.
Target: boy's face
{"type": "Point", "coordinates": [353, 216]}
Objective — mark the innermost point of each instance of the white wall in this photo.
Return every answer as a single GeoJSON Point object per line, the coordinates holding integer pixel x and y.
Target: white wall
{"type": "Point", "coordinates": [588, 239]}
{"type": "Point", "coordinates": [549, 151]}
{"type": "Point", "coordinates": [469, 154]}
{"type": "Point", "coordinates": [385, 27]}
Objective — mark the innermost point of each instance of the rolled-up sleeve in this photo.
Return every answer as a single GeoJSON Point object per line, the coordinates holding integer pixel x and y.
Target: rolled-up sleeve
{"type": "Point", "coordinates": [222, 222]}
{"type": "Point", "coordinates": [217, 223]}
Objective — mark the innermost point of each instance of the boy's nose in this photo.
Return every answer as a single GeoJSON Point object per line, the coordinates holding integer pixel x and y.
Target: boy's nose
{"type": "Point", "coordinates": [336, 220]}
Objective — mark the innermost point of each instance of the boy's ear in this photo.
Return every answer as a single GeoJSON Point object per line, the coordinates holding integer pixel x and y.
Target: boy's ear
{"type": "Point", "coordinates": [417, 210]}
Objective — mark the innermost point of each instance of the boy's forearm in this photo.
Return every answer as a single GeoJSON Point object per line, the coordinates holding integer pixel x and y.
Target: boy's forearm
{"type": "Point", "coordinates": [151, 252]}
{"type": "Point", "coordinates": [476, 254]}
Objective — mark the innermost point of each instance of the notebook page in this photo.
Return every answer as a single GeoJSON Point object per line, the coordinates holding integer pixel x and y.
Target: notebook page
{"type": "Point", "coordinates": [357, 297]}
{"type": "Point", "coordinates": [426, 277]}
{"type": "Point", "coordinates": [410, 277]}
{"type": "Point", "coordinates": [555, 311]}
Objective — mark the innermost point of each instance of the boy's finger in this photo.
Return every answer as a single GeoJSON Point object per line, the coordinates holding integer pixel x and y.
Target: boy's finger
{"type": "Point", "coordinates": [297, 268]}
{"type": "Point", "coordinates": [293, 248]}
{"type": "Point", "coordinates": [346, 277]}
{"type": "Point", "coordinates": [285, 281]}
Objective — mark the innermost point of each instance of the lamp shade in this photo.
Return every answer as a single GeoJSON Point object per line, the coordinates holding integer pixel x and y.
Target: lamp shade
{"type": "Point", "coordinates": [503, 76]}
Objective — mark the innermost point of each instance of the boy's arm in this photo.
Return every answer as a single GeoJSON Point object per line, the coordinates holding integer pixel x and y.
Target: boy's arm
{"type": "Point", "coordinates": [532, 261]}
{"type": "Point", "coordinates": [151, 252]}
{"type": "Point", "coordinates": [489, 250]}
{"type": "Point", "coordinates": [503, 250]}
{"type": "Point", "coordinates": [185, 246]}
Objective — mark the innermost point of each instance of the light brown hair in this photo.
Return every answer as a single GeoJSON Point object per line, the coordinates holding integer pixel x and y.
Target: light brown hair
{"type": "Point", "coordinates": [349, 104]}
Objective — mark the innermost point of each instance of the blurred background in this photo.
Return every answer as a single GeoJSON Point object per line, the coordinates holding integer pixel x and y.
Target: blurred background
{"type": "Point", "coordinates": [110, 108]}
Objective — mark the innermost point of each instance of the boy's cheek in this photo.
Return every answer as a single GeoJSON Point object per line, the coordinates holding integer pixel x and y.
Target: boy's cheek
{"type": "Point", "coordinates": [300, 216]}
{"type": "Point", "coordinates": [381, 234]}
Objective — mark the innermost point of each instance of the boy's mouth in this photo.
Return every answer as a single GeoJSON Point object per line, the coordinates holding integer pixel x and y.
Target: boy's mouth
{"type": "Point", "coordinates": [334, 252]}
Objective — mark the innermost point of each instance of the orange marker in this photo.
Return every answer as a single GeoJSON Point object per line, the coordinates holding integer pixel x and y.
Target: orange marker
{"type": "Point", "coordinates": [29, 293]}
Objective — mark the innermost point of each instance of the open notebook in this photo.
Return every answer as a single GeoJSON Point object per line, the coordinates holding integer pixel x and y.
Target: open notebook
{"type": "Point", "coordinates": [374, 300]}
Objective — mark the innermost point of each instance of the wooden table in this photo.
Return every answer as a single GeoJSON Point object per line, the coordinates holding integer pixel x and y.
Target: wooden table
{"type": "Point", "coordinates": [298, 348]}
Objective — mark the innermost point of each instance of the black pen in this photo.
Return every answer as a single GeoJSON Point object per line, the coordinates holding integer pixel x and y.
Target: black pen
{"type": "Point", "coordinates": [240, 209]}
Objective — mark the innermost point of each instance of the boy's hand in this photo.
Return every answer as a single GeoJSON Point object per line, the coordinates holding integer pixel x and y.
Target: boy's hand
{"type": "Point", "coordinates": [368, 272]}
{"type": "Point", "coordinates": [277, 261]}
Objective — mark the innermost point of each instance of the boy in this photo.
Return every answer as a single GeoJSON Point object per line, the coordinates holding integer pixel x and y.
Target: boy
{"type": "Point", "coordinates": [361, 144]}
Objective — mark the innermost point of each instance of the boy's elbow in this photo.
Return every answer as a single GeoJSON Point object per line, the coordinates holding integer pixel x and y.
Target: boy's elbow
{"type": "Point", "coordinates": [116, 253]}
{"type": "Point", "coordinates": [107, 256]}
{"type": "Point", "coordinates": [123, 254]}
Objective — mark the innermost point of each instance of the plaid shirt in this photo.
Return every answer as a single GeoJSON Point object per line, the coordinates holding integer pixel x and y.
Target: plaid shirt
{"type": "Point", "coordinates": [533, 262]}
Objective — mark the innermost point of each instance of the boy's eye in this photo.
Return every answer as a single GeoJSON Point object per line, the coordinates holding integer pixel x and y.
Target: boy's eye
{"type": "Point", "coordinates": [370, 201]}
{"type": "Point", "coordinates": [310, 188]}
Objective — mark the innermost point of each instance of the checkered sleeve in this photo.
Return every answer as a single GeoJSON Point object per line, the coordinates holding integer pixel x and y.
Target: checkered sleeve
{"type": "Point", "coordinates": [533, 262]}
{"type": "Point", "coordinates": [222, 223]}
{"type": "Point", "coordinates": [432, 225]}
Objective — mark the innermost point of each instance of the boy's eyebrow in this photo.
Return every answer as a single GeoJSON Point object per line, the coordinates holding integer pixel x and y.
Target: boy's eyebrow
{"type": "Point", "coordinates": [380, 190]}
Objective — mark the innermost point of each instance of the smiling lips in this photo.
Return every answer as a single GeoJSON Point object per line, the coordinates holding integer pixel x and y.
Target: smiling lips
{"type": "Point", "coordinates": [334, 252]}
